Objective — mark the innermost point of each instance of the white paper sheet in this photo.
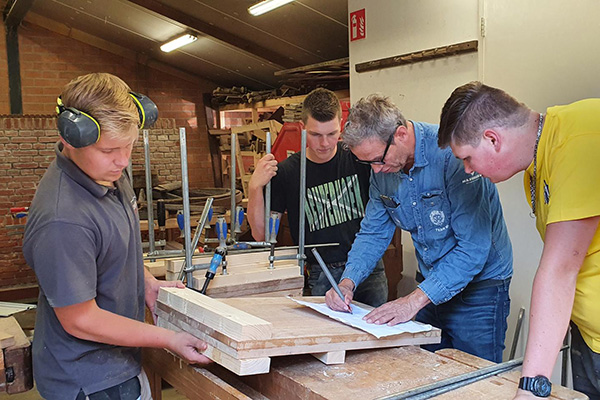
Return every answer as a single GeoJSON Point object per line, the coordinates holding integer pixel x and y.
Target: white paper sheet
{"type": "Point", "coordinates": [356, 320]}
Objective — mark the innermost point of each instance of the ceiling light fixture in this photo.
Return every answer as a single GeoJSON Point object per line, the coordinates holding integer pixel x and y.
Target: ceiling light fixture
{"type": "Point", "coordinates": [266, 5]}
{"type": "Point", "coordinates": [178, 42]}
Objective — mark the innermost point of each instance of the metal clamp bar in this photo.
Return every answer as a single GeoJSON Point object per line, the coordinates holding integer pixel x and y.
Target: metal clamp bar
{"type": "Point", "coordinates": [233, 173]}
{"type": "Point", "coordinates": [199, 229]}
{"type": "Point", "coordinates": [186, 200]}
{"type": "Point", "coordinates": [267, 189]}
{"type": "Point", "coordinates": [150, 205]}
{"type": "Point", "coordinates": [301, 228]}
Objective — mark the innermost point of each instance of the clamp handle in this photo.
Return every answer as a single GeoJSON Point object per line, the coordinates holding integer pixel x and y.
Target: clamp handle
{"type": "Point", "coordinates": [221, 227]}
{"type": "Point", "coordinates": [274, 220]}
{"type": "Point", "coordinates": [239, 219]}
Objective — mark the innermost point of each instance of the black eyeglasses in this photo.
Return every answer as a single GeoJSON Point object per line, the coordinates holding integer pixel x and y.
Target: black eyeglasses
{"type": "Point", "coordinates": [387, 147]}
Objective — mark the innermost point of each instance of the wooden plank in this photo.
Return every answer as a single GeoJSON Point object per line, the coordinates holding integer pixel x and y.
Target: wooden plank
{"type": "Point", "coordinates": [331, 357]}
{"type": "Point", "coordinates": [248, 276]}
{"type": "Point", "coordinates": [233, 260]}
{"type": "Point", "coordinates": [281, 101]}
{"type": "Point", "coordinates": [194, 383]}
{"type": "Point", "coordinates": [266, 287]}
{"type": "Point", "coordinates": [417, 56]}
{"type": "Point", "coordinates": [216, 315]}
{"type": "Point", "coordinates": [6, 340]}
{"type": "Point", "coordinates": [241, 367]}
{"type": "Point", "coordinates": [156, 268]}
{"type": "Point", "coordinates": [17, 357]}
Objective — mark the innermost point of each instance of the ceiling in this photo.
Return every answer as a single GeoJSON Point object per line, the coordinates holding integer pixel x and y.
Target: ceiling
{"type": "Point", "coordinates": [233, 48]}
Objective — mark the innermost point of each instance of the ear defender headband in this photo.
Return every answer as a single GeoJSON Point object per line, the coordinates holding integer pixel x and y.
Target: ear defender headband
{"type": "Point", "coordinates": [80, 129]}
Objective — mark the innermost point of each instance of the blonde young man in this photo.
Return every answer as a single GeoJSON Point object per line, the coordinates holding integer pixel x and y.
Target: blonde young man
{"type": "Point", "coordinates": [495, 135]}
{"type": "Point", "coordinates": [337, 190]}
{"type": "Point", "coordinates": [83, 241]}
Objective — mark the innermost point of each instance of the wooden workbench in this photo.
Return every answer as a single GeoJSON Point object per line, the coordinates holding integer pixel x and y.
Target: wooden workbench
{"type": "Point", "coordinates": [366, 374]}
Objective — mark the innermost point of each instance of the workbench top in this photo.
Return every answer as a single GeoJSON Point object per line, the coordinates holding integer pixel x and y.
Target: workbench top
{"type": "Point", "coordinates": [366, 374]}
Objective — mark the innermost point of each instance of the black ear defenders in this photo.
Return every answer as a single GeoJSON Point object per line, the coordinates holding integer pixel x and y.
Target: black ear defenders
{"type": "Point", "coordinates": [80, 129]}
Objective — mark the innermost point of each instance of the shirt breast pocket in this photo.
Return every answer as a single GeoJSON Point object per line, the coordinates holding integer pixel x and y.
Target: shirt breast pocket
{"type": "Point", "coordinates": [399, 215]}
{"type": "Point", "coordinates": [436, 213]}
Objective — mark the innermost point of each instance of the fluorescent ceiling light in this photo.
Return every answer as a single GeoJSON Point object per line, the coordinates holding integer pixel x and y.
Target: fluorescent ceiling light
{"type": "Point", "coordinates": [266, 6]}
{"type": "Point", "coordinates": [178, 42]}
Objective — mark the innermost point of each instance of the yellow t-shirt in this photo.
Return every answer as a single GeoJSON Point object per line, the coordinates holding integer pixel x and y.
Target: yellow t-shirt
{"type": "Point", "coordinates": [568, 188]}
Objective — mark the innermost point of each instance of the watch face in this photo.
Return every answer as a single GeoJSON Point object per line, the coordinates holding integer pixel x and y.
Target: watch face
{"type": "Point", "coordinates": [541, 386]}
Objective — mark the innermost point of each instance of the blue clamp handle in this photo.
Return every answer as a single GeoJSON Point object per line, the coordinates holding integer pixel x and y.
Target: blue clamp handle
{"type": "Point", "coordinates": [273, 226]}
{"type": "Point", "coordinates": [221, 227]}
{"type": "Point", "coordinates": [181, 221]}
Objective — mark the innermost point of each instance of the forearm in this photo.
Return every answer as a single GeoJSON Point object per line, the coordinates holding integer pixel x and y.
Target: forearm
{"type": "Point", "coordinates": [256, 212]}
{"type": "Point", "coordinates": [565, 247]}
{"type": "Point", "coordinates": [551, 305]}
{"type": "Point", "coordinates": [87, 321]}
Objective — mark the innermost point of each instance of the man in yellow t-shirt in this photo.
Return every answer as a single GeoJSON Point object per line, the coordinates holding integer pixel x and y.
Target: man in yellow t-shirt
{"type": "Point", "coordinates": [559, 151]}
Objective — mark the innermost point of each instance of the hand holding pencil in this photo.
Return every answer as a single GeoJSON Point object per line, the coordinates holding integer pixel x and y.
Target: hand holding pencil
{"type": "Point", "coordinates": [335, 298]}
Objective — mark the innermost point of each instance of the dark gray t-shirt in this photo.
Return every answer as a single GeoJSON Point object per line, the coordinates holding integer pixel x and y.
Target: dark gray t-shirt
{"type": "Point", "coordinates": [83, 241]}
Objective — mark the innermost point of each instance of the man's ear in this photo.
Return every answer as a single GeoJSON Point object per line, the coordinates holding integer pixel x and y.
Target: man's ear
{"type": "Point", "coordinates": [66, 144]}
{"type": "Point", "coordinates": [493, 138]}
{"type": "Point", "coordinates": [401, 132]}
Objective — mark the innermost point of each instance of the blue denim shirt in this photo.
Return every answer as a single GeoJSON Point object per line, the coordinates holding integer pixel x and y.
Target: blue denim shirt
{"type": "Point", "coordinates": [455, 220]}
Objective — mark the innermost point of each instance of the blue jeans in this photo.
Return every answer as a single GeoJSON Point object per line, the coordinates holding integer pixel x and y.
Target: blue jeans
{"type": "Point", "coordinates": [586, 366]}
{"type": "Point", "coordinates": [473, 321]}
{"type": "Point", "coordinates": [372, 291]}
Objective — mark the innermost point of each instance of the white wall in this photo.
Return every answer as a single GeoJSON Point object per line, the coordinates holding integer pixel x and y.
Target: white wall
{"type": "Point", "coordinates": [543, 52]}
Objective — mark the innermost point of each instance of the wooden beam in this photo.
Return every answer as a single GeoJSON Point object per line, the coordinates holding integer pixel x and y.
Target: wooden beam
{"type": "Point", "coordinates": [281, 101]}
{"type": "Point", "coordinates": [233, 260]}
{"type": "Point", "coordinates": [220, 34]}
{"type": "Point", "coordinates": [16, 13]}
{"type": "Point", "coordinates": [311, 67]}
{"type": "Point", "coordinates": [418, 56]}
{"type": "Point", "coordinates": [216, 315]}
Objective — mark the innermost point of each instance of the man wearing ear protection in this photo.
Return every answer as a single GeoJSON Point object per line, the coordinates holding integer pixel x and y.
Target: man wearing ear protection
{"type": "Point", "coordinates": [83, 241]}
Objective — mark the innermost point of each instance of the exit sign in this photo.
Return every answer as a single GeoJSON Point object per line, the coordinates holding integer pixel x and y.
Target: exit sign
{"type": "Point", "coordinates": [358, 25]}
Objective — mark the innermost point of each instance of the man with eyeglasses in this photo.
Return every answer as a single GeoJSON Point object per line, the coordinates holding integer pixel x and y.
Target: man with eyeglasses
{"type": "Point", "coordinates": [455, 220]}
{"type": "Point", "coordinates": [337, 191]}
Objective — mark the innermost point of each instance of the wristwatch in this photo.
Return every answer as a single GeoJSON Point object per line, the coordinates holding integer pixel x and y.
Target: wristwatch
{"type": "Point", "coordinates": [540, 386]}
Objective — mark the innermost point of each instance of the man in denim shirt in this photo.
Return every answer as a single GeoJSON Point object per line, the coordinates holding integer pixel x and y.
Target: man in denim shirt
{"type": "Point", "coordinates": [456, 223]}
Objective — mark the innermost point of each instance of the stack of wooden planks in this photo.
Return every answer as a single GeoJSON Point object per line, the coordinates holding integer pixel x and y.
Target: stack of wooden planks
{"type": "Point", "coordinates": [247, 275]}
{"type": "Point", "coordinates": [244, 333]}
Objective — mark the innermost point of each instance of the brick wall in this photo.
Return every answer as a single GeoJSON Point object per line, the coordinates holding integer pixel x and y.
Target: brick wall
{"type": "Point", "coordinates": [49, 61]}
{"type": "Point", "coordinates": [26, 150]}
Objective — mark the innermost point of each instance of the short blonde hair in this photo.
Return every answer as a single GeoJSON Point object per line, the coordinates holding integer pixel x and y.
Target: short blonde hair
{"type": "Point", "coordinates": [106, 98]}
